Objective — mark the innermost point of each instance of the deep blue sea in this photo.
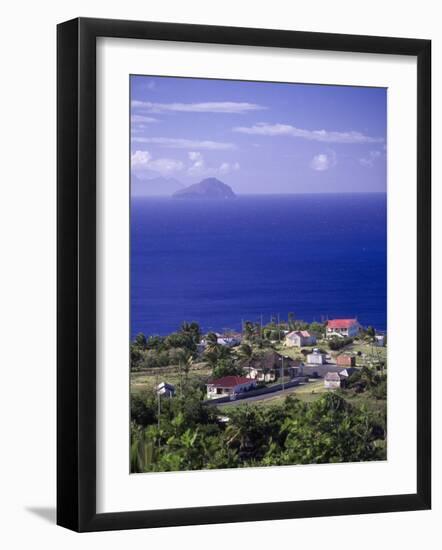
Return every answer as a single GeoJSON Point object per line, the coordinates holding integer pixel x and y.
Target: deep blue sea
{"type": "Point", "coordinates": [220, 262]}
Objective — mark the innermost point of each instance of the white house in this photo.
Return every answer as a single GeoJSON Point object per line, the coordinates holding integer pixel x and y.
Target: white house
{"type": "Point", "coordinates": [229, 386]}
{"type": "Point", "coordinates": [229, 340]}
{"type": "Point", "coordinates": [380, 340]}
{"type": "Point", "coordinates": [316, 358]}
{"type": "Point", "coordinates": [261, 374]}
{"type": "Point", "coordinates": [165, 389]}
{"type": "Point", "coordinates": [332, 381]}
{"type": "Point", "coordinates": [342, 328]}
{"type": "Point", "coordinates": [299, 338]}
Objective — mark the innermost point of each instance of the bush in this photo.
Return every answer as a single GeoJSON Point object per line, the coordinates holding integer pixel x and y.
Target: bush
{"type": "Point", "coordinates": [339, 343]}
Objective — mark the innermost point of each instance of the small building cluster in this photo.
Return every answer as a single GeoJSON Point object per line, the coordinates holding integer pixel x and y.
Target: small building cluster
{"type": "Point", "coordinates": [268, 366]}
{"type": "Point", "coordinates": [261, 375]}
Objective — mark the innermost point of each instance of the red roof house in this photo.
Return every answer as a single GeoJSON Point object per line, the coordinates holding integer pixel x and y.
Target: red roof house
{"type": "Point", "coordinates": [343, 327]}
{"type": "Point", "coordinates": [229, 385]}
{"type": "Point", "coordinates": [346, 360]}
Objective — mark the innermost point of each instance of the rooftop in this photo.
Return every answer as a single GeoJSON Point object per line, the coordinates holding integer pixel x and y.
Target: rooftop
{"type": "Point", "coordinates": [341, 323]}
{"type": "Point", "coordinates": [303, 333]}
{"type": "Point", "coordinates": [229, 381]}
{"type": "Point", "coordinates": [332, 376]}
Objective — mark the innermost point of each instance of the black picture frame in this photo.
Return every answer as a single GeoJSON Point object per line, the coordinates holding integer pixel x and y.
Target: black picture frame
{"type": "Point", "coordinates": [76, 274]}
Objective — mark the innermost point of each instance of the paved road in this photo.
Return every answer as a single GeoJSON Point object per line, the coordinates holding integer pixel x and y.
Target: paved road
{"type": "Point", "coordinates": [261, 397]}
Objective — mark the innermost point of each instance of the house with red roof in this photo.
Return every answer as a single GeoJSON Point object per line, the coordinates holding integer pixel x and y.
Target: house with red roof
{"type": "Point", "coordinates": [229, 386]}
{"type": "Point", "coordinates": [342, 328]}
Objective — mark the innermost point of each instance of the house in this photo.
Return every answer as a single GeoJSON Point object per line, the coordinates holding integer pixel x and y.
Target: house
{"type": "Point", "coordinates": [299, 338]}
{"type": "Point", "coordinates": [332, 381]}
{"type": "Point", "coordinates": [342, 328]}
{"type": "Point", "coordinates": [229, 386]}
{"type": "Point", "coordinates": [379, 340]}
{"type": "Point", "coordinates": [165, 389]}
{"type": "Point", "coordinates": [229, 340]}
{"type": "Point", "coordinates": [346, 360]}
{"type": "Point", "coordinates": [261, 375]}
{"type": "Point", "coordinates": [316, 358]}
{"type": "Point", "coordinates": [346, 373]}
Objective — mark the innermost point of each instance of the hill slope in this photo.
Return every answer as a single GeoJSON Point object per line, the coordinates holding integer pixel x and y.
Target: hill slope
{"type": "Point", "coordinates": [209, 188]}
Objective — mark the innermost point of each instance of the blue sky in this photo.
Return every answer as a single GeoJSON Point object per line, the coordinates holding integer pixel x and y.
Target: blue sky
{"type": "Point", "coordinates": [259, 137]}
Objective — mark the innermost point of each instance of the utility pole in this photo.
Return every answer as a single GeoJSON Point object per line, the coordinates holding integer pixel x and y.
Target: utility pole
{"type": "Point", "coordinates": [282, 372]}
{"type": "Point", "coordinates": [159, 409]}
{"type": "Point", "coordinates": [159, 414]}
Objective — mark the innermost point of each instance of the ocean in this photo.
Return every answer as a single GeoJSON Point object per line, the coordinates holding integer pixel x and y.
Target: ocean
{"type": "Point", "coordinates": [221, 262]}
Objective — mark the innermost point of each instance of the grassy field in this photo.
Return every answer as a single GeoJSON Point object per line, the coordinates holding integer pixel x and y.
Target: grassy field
{"type": "Point", "coordinates": [372, 353]}
{"type": "Point", "coordinates": [145, 381]}
{"type": "Point", "coordinates": [368, 352]}
{"type": "Point", "coordinates": [307, 393]}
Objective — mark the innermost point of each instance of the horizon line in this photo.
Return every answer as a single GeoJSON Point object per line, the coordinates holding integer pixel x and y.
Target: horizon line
{"type": "Point", "coordinates": [273, 194]}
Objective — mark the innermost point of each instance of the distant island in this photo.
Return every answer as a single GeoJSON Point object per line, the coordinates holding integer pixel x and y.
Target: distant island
{"type": "Point", "coordinates": [209, 188]}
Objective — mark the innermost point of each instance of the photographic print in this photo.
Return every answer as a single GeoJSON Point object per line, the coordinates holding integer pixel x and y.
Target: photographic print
{"type": "Point", "coordinates": [258, 267]}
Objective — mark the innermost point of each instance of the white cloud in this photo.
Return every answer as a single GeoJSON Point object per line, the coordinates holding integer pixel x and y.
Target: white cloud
{"type": "Point", "coordinates": [142, 160]}
{"type": "Point", "coordinates": [136, 119]}
{"type": "Point", "coordinates": [195, 156]}
{"type": "Point", "coordinates": [199, 167]}
{"type": "Point", "coordinates": [179, 143]}
{"type": "Point", "coordinates": [323, 161]}
{"type": "Point", "coordinates": [227, 167]}
{"type": "Point", "coordinates": [264, 129]}
{"type": "Point", "coordinates": [370, 159]}
{"type": "Point", "coordinates": [166, 166]}
{"type": "Point", "coordinates": [207, 107]}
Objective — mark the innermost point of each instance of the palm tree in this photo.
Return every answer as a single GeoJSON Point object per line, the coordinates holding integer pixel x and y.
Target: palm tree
{"type": "Point", "coordinates": [290, 320]}
{"type": "Point", "coordinates": [188, 364]}
{"type": "Point", "coordinates": [191, 329]}
{"type": "Point", "coordinates": [140, 341]}
{"type": "Point", "coordinates": [185, 327]}
{"type": "Point", "coordinates": [248, 330]}
{"type": "Point", "coordinates": [246, 353]}
{"type": "Point", "coordinates": [211, 341]}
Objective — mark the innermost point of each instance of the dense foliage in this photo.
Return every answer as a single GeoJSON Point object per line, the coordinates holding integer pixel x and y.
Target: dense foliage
{"type": "Point", "coordinates": [184, 432]}
{"type": "Point", "coordinates": [190, 435]}
{"type": "Point", "coordinates": [339, 343]}
{"type": "Point", "coordinates": [368, 381]}
{"type": "Point", "coordinates": [158, 351]}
